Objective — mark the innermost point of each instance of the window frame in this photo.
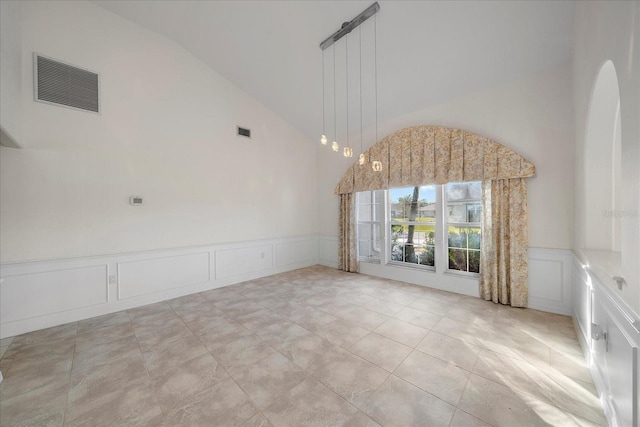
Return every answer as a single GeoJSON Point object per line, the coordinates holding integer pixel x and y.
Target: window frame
{"type": "Point", "coordinates": [376, 211]}
{"type": "Point", "coordinates": [380, 206]}
{"type": "Point", "coordinates": [389, 223]}
{"type": "Point", "coordinates": [445, 229]}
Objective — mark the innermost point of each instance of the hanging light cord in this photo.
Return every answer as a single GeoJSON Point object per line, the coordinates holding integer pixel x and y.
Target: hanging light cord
{"type": "Point", "coordinates": [360, 41]}
{"type": "Point", "coordinates": [335, 116]}
{"type": "Point", "coordinates": [375, 66]}
{"type": "Point", "coordinates": [346, 58]}
{"type": "Point", "coordinates": [323, 120]}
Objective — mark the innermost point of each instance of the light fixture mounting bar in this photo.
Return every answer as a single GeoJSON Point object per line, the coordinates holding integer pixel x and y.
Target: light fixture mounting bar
{"type": "Point", "coordinates": [347, 27]}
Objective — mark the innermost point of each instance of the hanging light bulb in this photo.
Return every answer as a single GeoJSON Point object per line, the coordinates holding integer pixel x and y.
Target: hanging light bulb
{"type": "Point", "coordinates": [323, 140]}
{"type": "Point", "coordinates": [376, 165]}
{"type": "Point", "coordinates": [348, 152]}
{"type": "Point", "coordinates": [335, 146]}
{"type": "Point", "coordinates": [361, 159]}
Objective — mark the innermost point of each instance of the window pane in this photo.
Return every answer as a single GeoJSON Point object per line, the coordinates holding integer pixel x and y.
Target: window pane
{"type": "Point", "coordinates": [474, 212]}
{"type": "Point", "coordinates": [427, 256]}
{"type": "Point", "coordinates": [413, 203]}
{"type": "Point", "coordinates": [475, 237]}
{"type": "Point", "coordinates": [457, 212]}
{"type": "Point", "coordinates": [474, 261]}
{"type": "Point", "coordinates": [365, 231]}
{"type": "Point", "coordinates": [457, 237]}
{"type": "Point", "coordinates": [475, 189]}
{"type": "Point", "coordinates": [458, 259]}
{"type": "Point", "coordinates": [457, 191]}
{"type": "Point", "coordinates": [364, 213]}
{"type": "Point", "coordinates": [364, 197]}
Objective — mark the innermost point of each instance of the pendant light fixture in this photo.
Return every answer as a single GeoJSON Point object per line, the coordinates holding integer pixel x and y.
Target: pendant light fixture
{"type": "Point", "coordinates": [346, 28]}
{"type": "Point", "coordinates": [376, 165]}
{"type": "Point", "coordinates": [347, 152]}
{"type": "Point", "coordinates": [335, 147]}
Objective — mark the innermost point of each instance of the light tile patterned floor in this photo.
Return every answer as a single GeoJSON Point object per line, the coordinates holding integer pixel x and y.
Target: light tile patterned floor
{"type": "Point", "coordinates": [311, 347]}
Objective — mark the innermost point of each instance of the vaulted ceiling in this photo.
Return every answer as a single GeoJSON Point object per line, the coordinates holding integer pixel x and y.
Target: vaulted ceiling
{"type": "Point", "coordinates": [427, 51]}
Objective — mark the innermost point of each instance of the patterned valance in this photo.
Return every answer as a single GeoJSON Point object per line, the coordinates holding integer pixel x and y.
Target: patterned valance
{"type": "Point", "coordinates": [424, 155]}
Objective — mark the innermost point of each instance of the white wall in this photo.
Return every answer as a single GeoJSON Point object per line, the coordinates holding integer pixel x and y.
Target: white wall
{"type": "Point", "coordinates": [533, 116]}
{"type": "Point", "coordinates": [10, 69]}
{"type": "Point", "coordinates": [166, 132]}
{"type": "Point", "coordinates": [611, 31]}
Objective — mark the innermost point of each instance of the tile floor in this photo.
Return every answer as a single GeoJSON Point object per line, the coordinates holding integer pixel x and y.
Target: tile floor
{"type": "Point", "coordinates": [310, 347]}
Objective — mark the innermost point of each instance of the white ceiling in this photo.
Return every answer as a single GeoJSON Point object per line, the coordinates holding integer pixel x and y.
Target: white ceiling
{"type": "Point", "coordinates": [428, 51]}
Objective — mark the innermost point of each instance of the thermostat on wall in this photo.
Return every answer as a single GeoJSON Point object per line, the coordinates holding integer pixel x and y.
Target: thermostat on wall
{"type": "Point", "coordinates": [135, 200]}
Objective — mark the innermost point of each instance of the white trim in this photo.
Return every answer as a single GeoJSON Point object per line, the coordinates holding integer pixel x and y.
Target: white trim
{"type": "Point", "coordinates": [614, 365]}
{"type": "Point", "coordinates": [41, 294]}
{"type": "Point", "coordinates": [550, 280]}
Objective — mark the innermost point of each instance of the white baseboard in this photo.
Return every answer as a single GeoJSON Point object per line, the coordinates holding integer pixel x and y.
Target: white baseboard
{"type": "Point", "coordinates": [41, 294]}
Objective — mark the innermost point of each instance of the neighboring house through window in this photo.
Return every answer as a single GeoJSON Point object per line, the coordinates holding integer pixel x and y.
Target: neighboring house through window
{"type": "Point", "coordinates": [431, 227]}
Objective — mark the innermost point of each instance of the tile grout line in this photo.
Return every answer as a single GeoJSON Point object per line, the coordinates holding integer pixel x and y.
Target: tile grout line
{"type": "Point", "coordinates": [155, 397]}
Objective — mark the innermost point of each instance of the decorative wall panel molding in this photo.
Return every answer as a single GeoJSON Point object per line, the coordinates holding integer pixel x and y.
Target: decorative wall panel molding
{"type": "Point", "coordinates": [296, 252]}
{"type": "Point", "coordinates": [57, 290]}
{"type": "Point", "coordinates": [239, 261]}
{"type": "Point", "coordinates": [155, 274]}
{"type": "Point", "coordinates": [328, 251]}
{"type": "Point", "coordinates": [41, 294]}
{"type": "Point", "coordinates": [550, 280]}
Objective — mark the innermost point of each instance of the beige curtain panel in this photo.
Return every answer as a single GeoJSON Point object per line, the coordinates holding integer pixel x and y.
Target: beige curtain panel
{"type": "Point", "coordinates": [426, 155]}
{"type": "Point", "coordinates": [505, 241]}
{"type": "Point", "coordinates": [348, 244]}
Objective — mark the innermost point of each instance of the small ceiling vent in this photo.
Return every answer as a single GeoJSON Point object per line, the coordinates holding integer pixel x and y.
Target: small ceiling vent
{"type": "Point", "coordinates": [244, 132]}
{"type": "Point", "coordinates": [64, 84]}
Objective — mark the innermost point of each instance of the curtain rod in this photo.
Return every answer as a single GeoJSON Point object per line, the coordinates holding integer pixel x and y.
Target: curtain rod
{"type": "Point", "coordinates": [347, 27]}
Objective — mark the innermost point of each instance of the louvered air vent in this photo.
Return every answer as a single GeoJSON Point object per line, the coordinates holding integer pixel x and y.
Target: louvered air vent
{"type": "Point", "coordinates": [64, 84]}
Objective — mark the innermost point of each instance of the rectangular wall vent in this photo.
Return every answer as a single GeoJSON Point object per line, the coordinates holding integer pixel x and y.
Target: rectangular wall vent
{"type": "Point", "coordinates": [244, 132]}
{"type": "Point", "coordinates": [64, 84]}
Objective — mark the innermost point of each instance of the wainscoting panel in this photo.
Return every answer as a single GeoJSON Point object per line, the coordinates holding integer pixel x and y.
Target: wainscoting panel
{"type": "Point", "coordinates": [328, 251]}
{"type": "Point", "coordinates": [296, 252]}
{"type": "Point", "coordinates": [550, 280]}
{"type": "Point", "coordinates": [614, 360]}
{"type": "Point", "coordinates": [145, 276]}
{"type": "Point", "coordinates": [236, 262]}
{"type": "Point", "coordinates": [29, 294]}
{"type": "Point", "coordinates": [41, 294]}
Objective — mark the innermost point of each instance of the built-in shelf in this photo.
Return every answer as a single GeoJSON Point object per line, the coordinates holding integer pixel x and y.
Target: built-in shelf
{"type": "Point", "coordinates": [7, 140]}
